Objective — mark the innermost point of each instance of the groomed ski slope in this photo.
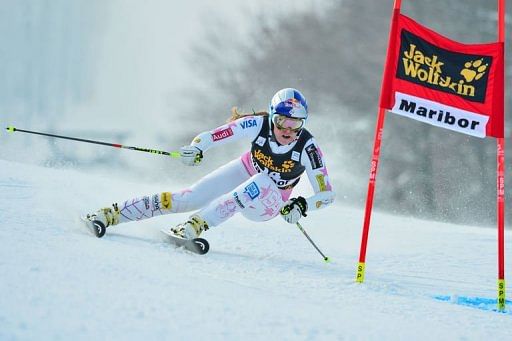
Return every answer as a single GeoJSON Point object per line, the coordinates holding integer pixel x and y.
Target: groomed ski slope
{"type": "Point", "coordinates": [258, 282]}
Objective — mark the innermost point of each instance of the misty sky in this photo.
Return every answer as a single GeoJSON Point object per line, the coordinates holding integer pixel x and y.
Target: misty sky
{"type": "Point", "coordinates": [101, 68]}
{"type": "Point", "coordinates": [141, 66]}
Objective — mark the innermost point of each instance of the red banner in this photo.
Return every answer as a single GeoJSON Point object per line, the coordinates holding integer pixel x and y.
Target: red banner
{"type": "Point", "coordinates": [433, 79]}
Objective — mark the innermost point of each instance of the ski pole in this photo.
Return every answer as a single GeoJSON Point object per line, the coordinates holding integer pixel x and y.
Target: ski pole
{"type": "Point", "coordinates": [326, 259]}
{"type": "Point", "coordinates": [174, 154]}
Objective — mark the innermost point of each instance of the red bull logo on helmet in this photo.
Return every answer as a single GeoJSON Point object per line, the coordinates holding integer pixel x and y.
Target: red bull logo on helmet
{"type": "Point", "coordinates": [290, 106]}
{"type": "Point", "coordinates": [293, 102]}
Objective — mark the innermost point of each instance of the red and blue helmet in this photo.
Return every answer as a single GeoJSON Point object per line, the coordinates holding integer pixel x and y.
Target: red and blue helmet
{"type": "Point", "coordinates": [289, 102]}
{"type": "Point", "coordinates": [288, 106]}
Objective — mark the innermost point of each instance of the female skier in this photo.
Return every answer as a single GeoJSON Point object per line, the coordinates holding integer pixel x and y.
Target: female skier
{"type": "Point", "coordinates": [258, 184]}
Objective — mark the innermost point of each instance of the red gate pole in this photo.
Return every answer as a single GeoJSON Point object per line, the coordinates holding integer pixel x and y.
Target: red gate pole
{"type": "Point", "coordinates": [369, 197]}
{"type": "Point", "coordinates": [373, 171]}
{"type": "Point", "coordinates": [501, 183]}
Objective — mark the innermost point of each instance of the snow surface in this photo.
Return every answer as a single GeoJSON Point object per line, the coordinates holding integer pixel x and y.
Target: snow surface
{"type": "Point", "coordinates": [260, 281]}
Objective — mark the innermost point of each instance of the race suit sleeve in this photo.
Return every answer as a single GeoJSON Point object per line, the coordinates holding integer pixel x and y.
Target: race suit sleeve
{"type": "Point", "coordinates": [313, 159]}
{"type": "Point", "coordinates": [247, 127]}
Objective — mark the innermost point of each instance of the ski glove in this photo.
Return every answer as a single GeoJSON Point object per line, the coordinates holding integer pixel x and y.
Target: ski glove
{"type": "Point", "coordinates": [294, 209]}
{"type": "Point", "coordinates": [190, 155]}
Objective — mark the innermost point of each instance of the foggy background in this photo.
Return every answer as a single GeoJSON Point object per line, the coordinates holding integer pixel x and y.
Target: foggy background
{"type": "Point", "coordinates": [155, 73]}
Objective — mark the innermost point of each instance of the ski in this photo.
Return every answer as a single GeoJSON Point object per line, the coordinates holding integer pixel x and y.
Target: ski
{"type": "Point", "coordinates": [196, 245]}
{"type": "Point", "coordinates": [199, 246]}
{"type": "Point", "coordinates": [95, 226]}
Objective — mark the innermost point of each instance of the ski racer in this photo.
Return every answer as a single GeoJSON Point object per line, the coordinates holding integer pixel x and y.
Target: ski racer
{"type": "Point", "coordinates": [258, 184]}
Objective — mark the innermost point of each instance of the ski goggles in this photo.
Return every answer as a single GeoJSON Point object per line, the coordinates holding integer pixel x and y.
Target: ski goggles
{"type": "Point", "coordinates": [283, 122]}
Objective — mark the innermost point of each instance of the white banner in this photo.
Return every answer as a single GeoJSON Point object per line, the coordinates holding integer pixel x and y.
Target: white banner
{"type": "Point", "coordinates": [440, 115]}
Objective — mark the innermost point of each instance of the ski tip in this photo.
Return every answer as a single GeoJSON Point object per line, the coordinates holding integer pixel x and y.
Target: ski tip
{"type": "Point", "coordinates": [198, 246]}
{"type": "Point", "coordinates": [201, 245]}
{"type": "Point", "coordinates": [96, 226]}
{"type": "Point", "coordinates": [99, 228]}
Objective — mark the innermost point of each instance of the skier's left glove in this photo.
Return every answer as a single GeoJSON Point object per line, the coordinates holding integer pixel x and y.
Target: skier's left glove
{"type": "Point", "coordinates": [294, 209]}
{"type": "Point", "coordinates": [191, 156]}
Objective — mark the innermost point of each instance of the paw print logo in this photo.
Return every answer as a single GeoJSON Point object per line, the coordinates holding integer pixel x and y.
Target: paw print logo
{"type": "Point", "coordinates": [288, 164]}
{"type": "Point", "coordinates": [474, 70]}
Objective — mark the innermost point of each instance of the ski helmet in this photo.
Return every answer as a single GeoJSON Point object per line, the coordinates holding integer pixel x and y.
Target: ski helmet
{"type": "Point", "coordinates": [289, 102]}
{"type": "Point", "coordinates": [288, 105]}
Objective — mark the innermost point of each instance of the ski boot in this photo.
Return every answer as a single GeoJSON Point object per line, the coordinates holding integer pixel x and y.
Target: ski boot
{"type": "Point", "coordinates": [191, 229]}
{"type": "Point", "coordinates": [103, 218]}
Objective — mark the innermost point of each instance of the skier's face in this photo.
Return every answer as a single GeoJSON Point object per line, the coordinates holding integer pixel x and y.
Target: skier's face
{"type": "Point", "coordinates": [286, 129]}
{"type": "Point", "coordinates": [285, 135]}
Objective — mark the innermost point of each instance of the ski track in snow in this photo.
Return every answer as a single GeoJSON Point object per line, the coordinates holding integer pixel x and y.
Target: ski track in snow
{"type": "Point", "coordinates": [259, 281]}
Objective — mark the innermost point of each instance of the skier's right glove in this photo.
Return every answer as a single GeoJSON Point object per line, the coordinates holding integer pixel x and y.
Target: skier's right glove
{"type": "Point", "coordinates": [190, 155]}
{"type": "Point", "coordinates": [294, 209]}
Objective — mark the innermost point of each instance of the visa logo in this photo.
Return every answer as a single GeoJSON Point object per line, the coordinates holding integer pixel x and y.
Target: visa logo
{"type": "Point", "coordinates": [248, 124]}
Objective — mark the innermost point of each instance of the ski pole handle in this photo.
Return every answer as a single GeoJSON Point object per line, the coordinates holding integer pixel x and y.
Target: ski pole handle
{"type": "Point", "coordinates": [173, 154]}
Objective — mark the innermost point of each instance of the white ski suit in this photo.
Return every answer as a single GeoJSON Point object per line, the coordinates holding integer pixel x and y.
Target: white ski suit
{"type": "Point", "coordinates": [257, 184]}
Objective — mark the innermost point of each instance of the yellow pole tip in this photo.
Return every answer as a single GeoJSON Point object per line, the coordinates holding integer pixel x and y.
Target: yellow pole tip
{"type": "Point", "coordinates": [10, 129]}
